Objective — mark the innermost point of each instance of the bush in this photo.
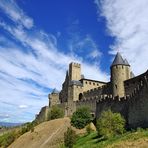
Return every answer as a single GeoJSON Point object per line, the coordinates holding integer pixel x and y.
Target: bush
{"type": "Point", "coordinates": [27, 127]}
{"type": "Point", "coordinates": [81, 117]}
{"type": "Point", "coordinates": [110, 124]}
{"type": "Point", "coordinates": [55, 113]}
{"type": "Point", "coordinates": [69, 138]}
{"type": "Point", "coordinates": [89, 129]}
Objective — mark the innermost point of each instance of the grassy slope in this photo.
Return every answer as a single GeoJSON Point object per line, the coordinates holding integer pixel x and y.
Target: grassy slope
{"type": "Point", "coordinates": [48, 134]}
{"type": "Point", "coordinates": [130, 139]}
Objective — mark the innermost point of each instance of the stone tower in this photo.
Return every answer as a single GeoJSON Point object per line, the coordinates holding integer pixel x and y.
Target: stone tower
{"type": "Point", "coordinates": [75, 86]}
{"type": "Point", "coordinates": [120, 71]}
{"type": "Point", "coordinates": [54, 98]}
{"type": "Point", "coordinates": [74, 71]}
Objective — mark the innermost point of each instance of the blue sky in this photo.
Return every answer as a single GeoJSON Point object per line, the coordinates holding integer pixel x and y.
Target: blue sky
{"type": "Point", "coordinates": [38, 39]}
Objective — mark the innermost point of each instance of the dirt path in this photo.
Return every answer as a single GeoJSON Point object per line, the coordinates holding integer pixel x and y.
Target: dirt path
{"type": "Point", "coordinates": [51, 136]}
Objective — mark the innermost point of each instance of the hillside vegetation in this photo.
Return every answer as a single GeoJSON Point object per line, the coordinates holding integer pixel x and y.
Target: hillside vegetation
{"type": "Point", "coordinates": [136, 139]}
{"type": "Point", "coordinates": [109, 132]}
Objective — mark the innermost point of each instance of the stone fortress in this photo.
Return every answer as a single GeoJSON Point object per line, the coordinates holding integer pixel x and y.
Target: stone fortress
{"type": "Point", "coordinates": [125, 93]}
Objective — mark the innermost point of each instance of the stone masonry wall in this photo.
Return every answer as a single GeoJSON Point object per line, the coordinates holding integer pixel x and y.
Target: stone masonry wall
{"type": "Point", "coordinates": [133, 107]}
{"type": "Point", "coordinates": [89, 103]}
{"type": "Point", "coordinates": [91, 84]}
{"type": "Point", "coordinates": [97, 92]}
{"type": "Point", "coordinates": [116, 105]}
{"type": "Point", "coordinates": [132, 83]}
{"type": "Point", "coordinates": [138, 106]}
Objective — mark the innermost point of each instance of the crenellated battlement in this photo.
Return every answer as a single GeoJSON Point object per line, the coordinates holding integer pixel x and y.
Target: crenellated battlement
{"type": "Point", "coordinates": [93, 95]}
{"type": "Point", "coordinates": [136, 92]}
{"type": "Point", "coordinates": [75, 64]}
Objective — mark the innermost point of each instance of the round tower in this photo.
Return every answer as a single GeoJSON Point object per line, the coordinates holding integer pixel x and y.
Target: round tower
{"type": "Point", "coordinates": [120, 71]}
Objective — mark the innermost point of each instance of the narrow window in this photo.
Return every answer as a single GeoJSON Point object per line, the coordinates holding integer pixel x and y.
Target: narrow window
{"type": "Point", "coordinates": [80, 96]}
{"type": "Point", "coordinates": [116, 86]}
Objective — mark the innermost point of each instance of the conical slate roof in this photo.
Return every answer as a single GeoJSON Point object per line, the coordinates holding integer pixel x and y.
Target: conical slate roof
{"type": "Point", "coordinates": [55, 91]}
{"type": "Point", "coordinates": [118, 60]}
{"type": "Point", "coordinates": [126, 62]}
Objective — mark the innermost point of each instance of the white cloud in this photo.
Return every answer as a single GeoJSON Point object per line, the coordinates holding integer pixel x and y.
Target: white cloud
{"type": "Point", "coordinates": [127, 21]}
{"type": "Point", "coordinates": [23, 106]}
{"type": "Point", "coordinates": [15, 13]}
{"type": "Point", "coordinates": [95, 54]}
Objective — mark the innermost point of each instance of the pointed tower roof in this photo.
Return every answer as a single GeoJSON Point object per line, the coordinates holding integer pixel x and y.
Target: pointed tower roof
{"type": "Point", "coordinates": [55, 91]}
{"type": "Point", "coordinates": [126, 62]}
{"type": "Point", "coordinates": [118, 60]}
{"type": "Point", "coordinates": [67, 73]}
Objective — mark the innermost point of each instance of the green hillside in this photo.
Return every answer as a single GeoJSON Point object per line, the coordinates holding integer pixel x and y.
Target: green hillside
{"type": "Point", "coordinates": [133, 139]}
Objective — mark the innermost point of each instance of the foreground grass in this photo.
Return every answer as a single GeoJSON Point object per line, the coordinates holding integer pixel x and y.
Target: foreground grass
{"type": "Point", "coordinates": [93, 141]}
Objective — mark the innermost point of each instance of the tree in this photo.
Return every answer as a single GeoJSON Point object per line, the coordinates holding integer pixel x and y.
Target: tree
{"type": "Point", "coordinates": [55, 113]}
{"type": "Point", "coordinates": [81, 117]}
{"type": "Point", "coordinates": [110, 124]}
{"type": "Point", "coordinates": [69, 138]}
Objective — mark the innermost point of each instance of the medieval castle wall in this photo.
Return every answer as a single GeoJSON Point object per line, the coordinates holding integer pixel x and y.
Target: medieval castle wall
{"type": "Point", "coordinates": [138, 105]}
{"type": "Point", "coordinates": [132, 83]}
{"type": "Point", "coordinates": [123, 94]}
{"type": "Point", "coordinates": [133, 107]}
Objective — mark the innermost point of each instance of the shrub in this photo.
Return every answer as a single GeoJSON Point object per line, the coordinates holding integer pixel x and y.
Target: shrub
{"type": "Point", "coordinates": [110, 124]}
{"type": "Point", "coordinates": [69, 138]}
{"type": "Point", "coordinates": [81, 117]}
{"type": "Point", "coordinates": [89, 129]}
{"type": "Point", "coordinates": [55, 113]}
{"type": "Point", "coordinates": [27, 127]}
{"type": "Point", "coordinates": [23, 130]}
{"type": "Point", "coordinates": [32, 129]}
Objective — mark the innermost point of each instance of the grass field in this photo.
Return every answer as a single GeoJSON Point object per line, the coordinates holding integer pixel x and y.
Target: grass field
{"type": "Point", "coordinates": [133, 139]}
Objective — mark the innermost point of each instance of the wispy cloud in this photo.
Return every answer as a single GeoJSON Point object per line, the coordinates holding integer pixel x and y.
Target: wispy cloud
{"type": "Point", "coordinates": [127, 21]}
{"type": "Point", "coordinates": [85, 46]}
{"type": "Point", "coordinates": [95, 54]}
{"type": "Point", "coordinates": [13, 11]}
{"type": "Point", "coordinates": [31, 65]}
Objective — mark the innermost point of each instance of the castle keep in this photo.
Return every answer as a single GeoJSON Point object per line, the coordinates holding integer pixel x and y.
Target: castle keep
{"type": "Point", "coordinates": [125, 93]}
